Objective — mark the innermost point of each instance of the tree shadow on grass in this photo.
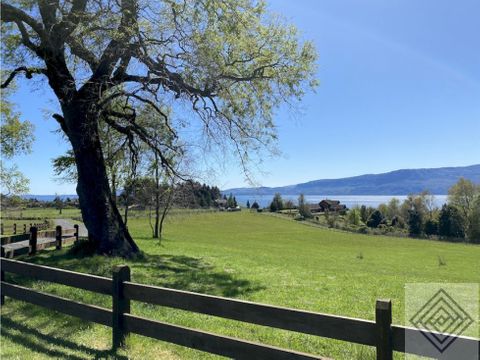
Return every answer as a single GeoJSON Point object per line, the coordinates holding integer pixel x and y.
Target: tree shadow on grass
{"type": "Point", "coordinates": [53, 346]}
{"type": "Point", "coordinates": [191, 274]}
{"type": "Point", "coordinates": [174, 271]}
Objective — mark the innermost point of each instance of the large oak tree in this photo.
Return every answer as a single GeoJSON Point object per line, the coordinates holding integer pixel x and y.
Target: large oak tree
{"type": "Point", "coordinates": [228, 62]}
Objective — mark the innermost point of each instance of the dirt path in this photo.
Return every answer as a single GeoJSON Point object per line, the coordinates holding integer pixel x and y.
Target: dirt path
{"type": "Point", "coordinates": [68, 224]}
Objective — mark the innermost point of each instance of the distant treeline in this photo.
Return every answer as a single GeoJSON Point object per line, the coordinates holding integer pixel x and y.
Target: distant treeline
{"type": "Point", "coordinates": [417, 216]}
{"type": "Point", "coordinates": [139, 193]}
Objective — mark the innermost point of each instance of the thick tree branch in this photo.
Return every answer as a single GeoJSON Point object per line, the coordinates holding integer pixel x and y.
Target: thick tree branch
{"type": "Point", "coordinates": [118, 47]}
{"type": "Point", "coordinates": [26, 37]}
{"type": "Point", "coordinates": [48, 10]}
{"type": "Point", "coordinates": [28, 74]}
{"type": "Point", "coordinates": [12, 14]}
{"type": "Point", "coordinates": [82, 52]}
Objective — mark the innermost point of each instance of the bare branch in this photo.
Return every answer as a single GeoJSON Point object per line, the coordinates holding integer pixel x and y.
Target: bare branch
{"type": "Point", "coordinates": [28, 74]}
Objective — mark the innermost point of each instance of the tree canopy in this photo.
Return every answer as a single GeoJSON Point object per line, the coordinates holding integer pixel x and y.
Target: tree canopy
{"type": "Point", "coordinates": [16, 137]}
{"type": "Point", "coordinates": [230, 61]}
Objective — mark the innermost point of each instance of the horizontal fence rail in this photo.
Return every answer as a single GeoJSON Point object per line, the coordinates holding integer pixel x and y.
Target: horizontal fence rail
{"type": "Point", "coordinates": [78, 280]}
{"type": "Point", "coordinates": [379, 333]}
{"type": "Point", "coordinates": [212, 343]}
{"type": "Point", "coordinates": [335, 327]}
{"type": "Point", "coordinates": [87, 312]}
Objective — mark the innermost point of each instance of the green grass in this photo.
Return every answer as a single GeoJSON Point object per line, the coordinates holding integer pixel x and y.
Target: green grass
{"type": "Point", "coordinates": [247, 256]}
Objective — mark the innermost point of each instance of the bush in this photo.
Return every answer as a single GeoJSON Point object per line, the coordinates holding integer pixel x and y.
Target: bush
{"type": "Point", "coordinates": [299, 217]}
{"type": "Point", "coordinates": [375, 219]}
{"type": "Point", "coordinates": [450, 222]}
{"type": "Point", "coordinates": [431, 227]}
{"type": "Point", "coordinates": [277, 203]}
{"type": "Point", "coordinates": [415, 223]}
{"type": "Point", "coordinates": [303, 208]}
{"type": "Point", "coordinates": [363, 229]}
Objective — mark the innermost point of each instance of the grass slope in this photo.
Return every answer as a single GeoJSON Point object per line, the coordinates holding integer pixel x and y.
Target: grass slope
{"type": "Point", "coordinates": [247, 256]}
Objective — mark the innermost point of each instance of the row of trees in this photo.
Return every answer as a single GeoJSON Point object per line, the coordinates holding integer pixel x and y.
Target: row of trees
{"type": "Point", "coordinates": [279, 204]}
{"type": "Point", "coordinates": [459, 218]}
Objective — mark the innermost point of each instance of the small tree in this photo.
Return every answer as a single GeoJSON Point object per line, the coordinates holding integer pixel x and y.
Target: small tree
{"type": "Point", "coordinates": [277, 203]}
{"type": "Point", "coordinates": [58, 203]}
{"type": "Point", "coordinates": [255, 205]}
{"type": "Point", "coordinates": [431, 227]}
{"type": "Point", "coordinates": [450, 222]}
{"type": "Point", "coordinates": [288, 204]}
{"type": "Point", "coordinates": [331, 218]}
{"type": "Point", "coordinates": [231, 201]}
{"type": "Point", "coordinates": [375, 219]}
{"type": "Point", "coordinates": [474, 223]}
{"type": "Point", "coordinates": [415, 223]}
{"type": "Point", "coordinates": [248, 204]}
{"type": "Point", "coordinates": [462, 196]}
{"type": "Point", "coordinates": [303, 208]}
{"type": "Point", "coordinates": [354, 217]}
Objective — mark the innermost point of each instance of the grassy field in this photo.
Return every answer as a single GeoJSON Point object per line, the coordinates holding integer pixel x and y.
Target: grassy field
{"type": "Point", "coordinates": [243, 255]}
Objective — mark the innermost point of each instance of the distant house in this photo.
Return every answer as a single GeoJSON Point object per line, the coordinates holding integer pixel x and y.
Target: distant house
{"type": "Point", "coordinates": [314, 208]}
{"type": "Point", "coordinates": [331, 205]}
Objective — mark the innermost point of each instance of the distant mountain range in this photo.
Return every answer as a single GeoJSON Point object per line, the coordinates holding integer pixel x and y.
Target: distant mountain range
{"type": "Point", "coordinates": [400, 182]}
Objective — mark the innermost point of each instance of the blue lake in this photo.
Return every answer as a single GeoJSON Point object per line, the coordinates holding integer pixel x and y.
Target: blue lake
{"type": "Point", "coordinates": [264, 200]}
{"type": "Point", "coordinates": [348, 200]}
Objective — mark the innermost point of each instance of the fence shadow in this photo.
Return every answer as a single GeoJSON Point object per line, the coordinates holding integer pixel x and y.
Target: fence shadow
{"type": "Point", "coordinates": [47, 344]}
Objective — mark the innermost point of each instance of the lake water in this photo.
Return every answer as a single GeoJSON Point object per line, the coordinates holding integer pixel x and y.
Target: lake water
{"type": "Point", "coordinates": [265, 200]}
{"type": "Point", "coordinates": [348, 200]}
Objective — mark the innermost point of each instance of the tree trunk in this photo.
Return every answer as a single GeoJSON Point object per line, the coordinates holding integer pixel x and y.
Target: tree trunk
{"type": "Point", "coordinates": [106, 229]}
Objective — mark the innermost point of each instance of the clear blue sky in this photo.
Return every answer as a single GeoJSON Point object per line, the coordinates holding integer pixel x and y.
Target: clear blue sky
{"type": "Point", "coordinates": [399, 88]}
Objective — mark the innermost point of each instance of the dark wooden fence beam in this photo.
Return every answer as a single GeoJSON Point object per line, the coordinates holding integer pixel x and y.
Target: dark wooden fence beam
{"type": "Point", "coordinates": [33, 241]}
{"type": "Point", "coordinates": [79, 280]}
{"type": "Point", "coordinates": [331, 326]}
{"type": "Point", "coordinates": [383, 319]}
{"type": "Point", "coordinates": [76, 234]}
{"type": "Point", "coordinates": [87, 312]}
{"type": "Point", "coordinates": [58, 237]}
{"type": "Point", "coordinates": [120, 305]}
{"type": "Point", "coordinates": [211, 343]}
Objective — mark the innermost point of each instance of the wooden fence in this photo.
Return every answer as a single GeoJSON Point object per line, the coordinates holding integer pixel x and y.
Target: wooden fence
{"type": "Point", "coordinates": [15, 228]}
{"type": "Point", "coordinates": [34, 240]}
{"type": "Point", "coordinates": [379, 333]}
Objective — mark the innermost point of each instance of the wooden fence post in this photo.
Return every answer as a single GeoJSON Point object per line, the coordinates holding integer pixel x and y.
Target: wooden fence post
{"type": "Point", "coordinates": [58, 237]}
{"type": "Point", "coordinates": [120, 305]}
{"type": "Point", "coordinates": [76, 231]}
{"type": "Point", "coordinates": [383, 319]}
{"type": "Point", "coordinates": [33, 241]}
{"type": "Point", "coordinates": [1, 228]}
{"type": "Point", "coordinates": [14, 228]}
